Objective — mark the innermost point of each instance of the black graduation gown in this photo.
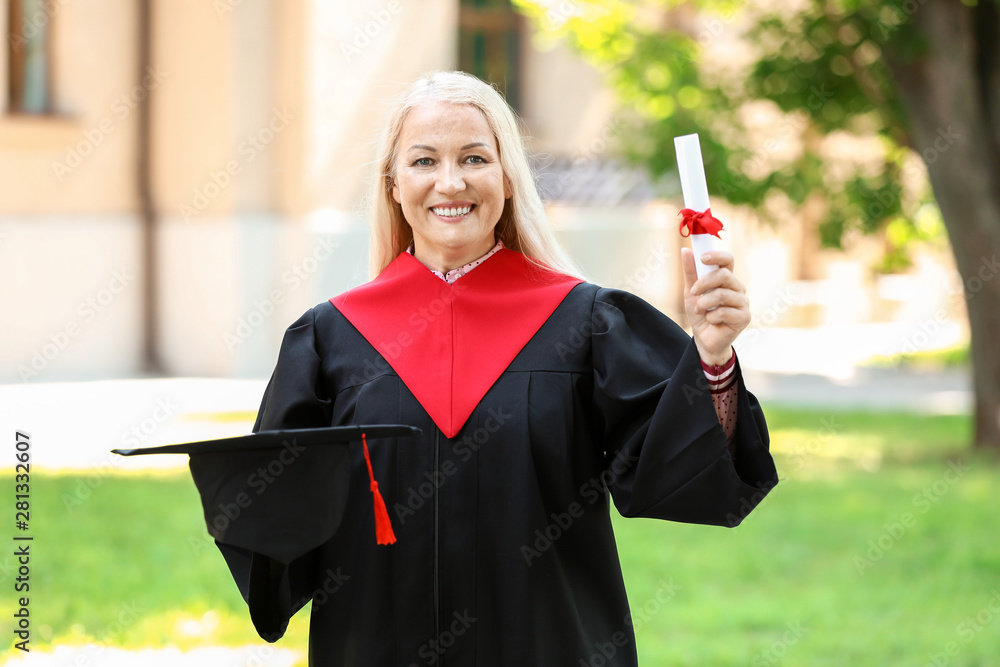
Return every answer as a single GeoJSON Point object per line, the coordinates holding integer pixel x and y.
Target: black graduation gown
{"type": "Point", "coordinates": [505, 552]}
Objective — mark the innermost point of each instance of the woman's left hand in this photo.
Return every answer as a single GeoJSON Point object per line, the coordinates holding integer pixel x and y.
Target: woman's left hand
{"type": "Point", "coordinates": [718, 316]}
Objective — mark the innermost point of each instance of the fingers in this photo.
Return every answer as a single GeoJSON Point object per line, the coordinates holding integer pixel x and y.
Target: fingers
{"type": "Point", "coordinates": [718, 295]}
{"type": "Point", "coordinates": [690, 271]}
{"type": "Point", "coordinates": [720, 258]}
{"type": "Point", "coordinates": [720, 279]}
{"type": "Point", "coordinates": [734, 318]}
{"type": "Point", "coordinates": [722, 298]}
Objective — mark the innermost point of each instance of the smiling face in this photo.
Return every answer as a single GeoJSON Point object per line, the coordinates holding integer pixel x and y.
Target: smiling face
{"type": "Point", "coordinates": [449, 183]}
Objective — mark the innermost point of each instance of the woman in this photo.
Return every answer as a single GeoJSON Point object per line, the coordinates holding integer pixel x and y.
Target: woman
{"type": "Point", "coordinates": [538, 395]}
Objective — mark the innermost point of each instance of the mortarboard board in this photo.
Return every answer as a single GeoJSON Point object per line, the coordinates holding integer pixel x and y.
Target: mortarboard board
{"type": "Point", "coordinates": [278, 492]}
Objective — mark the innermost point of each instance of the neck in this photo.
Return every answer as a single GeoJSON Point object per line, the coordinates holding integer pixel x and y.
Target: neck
{"type": "Point", "coordinates": [445, 260]}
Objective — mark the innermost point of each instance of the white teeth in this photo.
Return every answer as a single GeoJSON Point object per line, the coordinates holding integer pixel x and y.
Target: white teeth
{"type": "Point", "coordinates": [452, 212]}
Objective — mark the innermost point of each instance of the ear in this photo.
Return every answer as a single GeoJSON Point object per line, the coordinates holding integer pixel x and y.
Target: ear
{"type": "Point", "coordinates": [508, 190]}
{"type": "Point", "coordinates": [395, 192]}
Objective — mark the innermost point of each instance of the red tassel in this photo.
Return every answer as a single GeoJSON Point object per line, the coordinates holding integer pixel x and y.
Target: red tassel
{"type": "Point", "coordinates": [383, 526]}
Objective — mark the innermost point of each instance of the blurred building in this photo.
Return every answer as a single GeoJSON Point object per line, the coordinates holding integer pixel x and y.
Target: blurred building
{"type": "Point", "coordinates": [183, 178]}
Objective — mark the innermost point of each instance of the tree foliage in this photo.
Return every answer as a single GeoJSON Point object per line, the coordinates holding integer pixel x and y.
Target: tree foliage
{"type": "Point", "coordinates": [767, 87]}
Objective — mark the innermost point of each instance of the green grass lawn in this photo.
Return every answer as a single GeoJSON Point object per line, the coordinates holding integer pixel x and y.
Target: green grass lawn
{"type": "Point", "coordinates": [879, 547]}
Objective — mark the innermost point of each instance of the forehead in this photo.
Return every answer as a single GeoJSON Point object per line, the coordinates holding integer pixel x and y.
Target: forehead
{"type": "Point", "coordinates": [445, 124]}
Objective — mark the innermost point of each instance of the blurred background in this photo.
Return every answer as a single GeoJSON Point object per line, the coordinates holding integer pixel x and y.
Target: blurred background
{"type": "Point", "coordinates": [183, 178]}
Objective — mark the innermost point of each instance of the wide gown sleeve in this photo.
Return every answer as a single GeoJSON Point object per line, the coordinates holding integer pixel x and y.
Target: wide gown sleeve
{"type": "Point", "coordinates": [665, 448]}
{"type": "Point", "coordinates": [295, 397]}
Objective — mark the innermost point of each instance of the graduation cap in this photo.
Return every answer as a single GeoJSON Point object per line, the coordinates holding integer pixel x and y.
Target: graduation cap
{"type": "Point", "coordinates": [274, 492]}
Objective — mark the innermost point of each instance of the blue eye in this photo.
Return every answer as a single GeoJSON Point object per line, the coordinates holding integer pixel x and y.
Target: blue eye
{"type": "Point", "coordinates": [477, 157]}
{"type": "Point", "coordinates": [420, 162]}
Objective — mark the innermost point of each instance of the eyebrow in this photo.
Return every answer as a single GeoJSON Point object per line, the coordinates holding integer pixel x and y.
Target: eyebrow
{"type": "Point", "coordinates": [431, 148]}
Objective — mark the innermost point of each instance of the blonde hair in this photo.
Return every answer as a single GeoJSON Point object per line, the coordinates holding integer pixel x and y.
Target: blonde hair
{"type": "Point", "coordinates": [523, 225]}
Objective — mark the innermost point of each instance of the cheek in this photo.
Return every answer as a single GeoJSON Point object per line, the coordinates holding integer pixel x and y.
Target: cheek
{"type": "Point", "coordinates": [494, 185]}
{"type": "Point", "coordinates": [407, 192]}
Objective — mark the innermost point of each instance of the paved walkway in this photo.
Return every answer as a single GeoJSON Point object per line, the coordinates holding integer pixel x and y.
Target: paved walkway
{"type": "Point", "coordinates": [76, 424]}
{"type": "Point", "coordinates": [947, 392]}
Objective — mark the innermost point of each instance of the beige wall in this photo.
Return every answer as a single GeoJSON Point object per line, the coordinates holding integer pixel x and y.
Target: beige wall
{"type": "Point", "coordinates": [82, 161]}
{"type": "Point", "coordinates": [287, 233]}
{"type": "Point", "coordinates": [69, 267]}
{"type": "Point", "coordinates": [69, 289]}
{"type": "Point", "coordinates": [264, 114]}
{"type": "Point", "coordinates": [363, 54]}
{"type": "Point", "coordinates": [566, 105]}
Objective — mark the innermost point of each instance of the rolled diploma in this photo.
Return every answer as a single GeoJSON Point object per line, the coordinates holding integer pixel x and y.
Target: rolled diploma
{"type": "Point", "coordinates": [695, 190]}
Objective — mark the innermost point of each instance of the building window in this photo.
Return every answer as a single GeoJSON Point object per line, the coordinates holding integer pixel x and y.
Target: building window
{"type": "Point", "coordinates": [488, 42]}
{"type": "Point", "coordinates": [28, 56]}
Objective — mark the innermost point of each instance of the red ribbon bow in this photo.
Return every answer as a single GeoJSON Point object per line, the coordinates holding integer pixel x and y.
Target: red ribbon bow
{"type": "Point", "coordinates": [700, 223]}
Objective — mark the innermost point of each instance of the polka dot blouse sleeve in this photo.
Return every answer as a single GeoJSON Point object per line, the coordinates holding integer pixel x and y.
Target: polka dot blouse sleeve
{"type": "Point", "coordinates": [722, 383]}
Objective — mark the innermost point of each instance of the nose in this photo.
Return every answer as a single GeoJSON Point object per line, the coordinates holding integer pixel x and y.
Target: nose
{"type": "Point", "coordinates": [450, 179]}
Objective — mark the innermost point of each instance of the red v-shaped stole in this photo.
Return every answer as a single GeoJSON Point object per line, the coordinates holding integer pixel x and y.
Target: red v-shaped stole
{"type": "Point", "coordinates": [450, 343]}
